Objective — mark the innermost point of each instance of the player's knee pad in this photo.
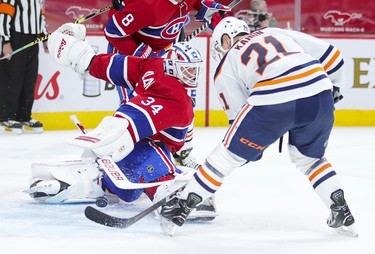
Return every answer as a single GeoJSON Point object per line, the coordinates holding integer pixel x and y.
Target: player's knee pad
{"type": "Point", "coordinates": [303, 163]}
{"type": "Point", "coordinates": [65, 182]}
{"type": "Point", "coordinates": [110, 137]}
{"type": "Point", "coordinates": [223, 160]}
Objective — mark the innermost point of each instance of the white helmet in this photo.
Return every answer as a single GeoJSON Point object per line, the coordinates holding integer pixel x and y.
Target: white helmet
{"type": "Point", "coordinates": [185, 63]}
{"type": "Point", "coordinates": [230, 26]}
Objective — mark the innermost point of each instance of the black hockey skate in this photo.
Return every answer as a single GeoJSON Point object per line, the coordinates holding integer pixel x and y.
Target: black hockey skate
{"type": "Point", "coordinates": [33, 125]}
{"type": "Point", "coordinates": [341, 219]}
{"type": "Point", "coordinates": [176, 210]}
{"type": "Point", "coordinates": [204, 212]}
{"type": "Point", "coordinates": [11, 126]}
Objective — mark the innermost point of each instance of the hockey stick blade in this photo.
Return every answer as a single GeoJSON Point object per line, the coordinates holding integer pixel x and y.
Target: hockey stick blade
{"type": "Point", "coordinates": [99, 217]}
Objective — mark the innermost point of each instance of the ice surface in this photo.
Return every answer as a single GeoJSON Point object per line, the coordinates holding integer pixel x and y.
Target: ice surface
{"type": "Point", "coordinates": [266, 207]}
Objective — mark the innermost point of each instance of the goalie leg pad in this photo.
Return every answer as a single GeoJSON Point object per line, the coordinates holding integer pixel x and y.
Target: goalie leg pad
{"type": "Point", "coordinates": [110, 137]}
{"type": "Point", "coordinates": [64, 182]}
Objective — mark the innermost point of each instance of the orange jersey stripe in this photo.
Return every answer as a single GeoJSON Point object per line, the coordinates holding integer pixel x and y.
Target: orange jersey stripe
{"type": "Point", "coordinates": [319, 171]}
{"type": "Point", "coordinates": [330, 62]}
{"type": "Point", "coordinates": [289, 78]}
{"type": "Point", "coordinates": [208, 177]}
{"type": "Point", "coordinates": [189, 135]}
{"type": "Point", "coordinates": [7, 9]}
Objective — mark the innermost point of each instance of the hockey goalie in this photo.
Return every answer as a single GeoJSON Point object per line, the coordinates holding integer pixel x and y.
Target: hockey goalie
{"type": "Point", "coordinates": [128, 153]}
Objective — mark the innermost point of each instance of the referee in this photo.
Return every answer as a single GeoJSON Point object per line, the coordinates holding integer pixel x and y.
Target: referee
{"type": "Point", "coordinates": [21, 22]}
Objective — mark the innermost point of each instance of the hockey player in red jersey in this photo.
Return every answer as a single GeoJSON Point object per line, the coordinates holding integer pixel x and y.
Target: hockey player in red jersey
{"type": "Point", "coordinates": [146, 29]}
{"type": "Point", "coordinates": [153, 23]}
{"type": "Point", "coordinates": [141, 133]}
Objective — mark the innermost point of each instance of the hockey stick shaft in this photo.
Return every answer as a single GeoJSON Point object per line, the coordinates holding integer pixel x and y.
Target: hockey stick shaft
{"type": "Point", "coordinates": [207, 23]}
{"type": "Point", "coordinates": [97, 216]}
{"type": "Point", "coordinates": [76, 121]}
{"type": "Point", "coordinates": [78, 21]}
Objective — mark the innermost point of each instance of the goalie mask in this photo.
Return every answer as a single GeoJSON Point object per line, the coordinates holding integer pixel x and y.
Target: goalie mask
{"type": "Point", "coordinates": [230, 26]}
{"type": "Point", "coordinates": [185, 63]}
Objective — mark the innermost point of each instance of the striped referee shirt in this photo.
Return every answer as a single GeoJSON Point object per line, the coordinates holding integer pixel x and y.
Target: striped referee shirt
{"type": "Point", "coordinates": [23, 16]}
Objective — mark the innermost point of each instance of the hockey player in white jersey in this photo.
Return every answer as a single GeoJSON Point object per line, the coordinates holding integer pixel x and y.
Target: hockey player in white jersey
{"type": "Point", "coordinates": [271, 82]}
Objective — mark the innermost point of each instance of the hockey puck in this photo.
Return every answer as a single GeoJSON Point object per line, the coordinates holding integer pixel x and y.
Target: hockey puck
{"type": "Point", "coordinates": [101, 201]}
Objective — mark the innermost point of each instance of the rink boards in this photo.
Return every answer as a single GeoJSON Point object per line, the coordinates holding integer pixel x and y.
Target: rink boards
{"type": "Point", "coordinates": [60, 92]}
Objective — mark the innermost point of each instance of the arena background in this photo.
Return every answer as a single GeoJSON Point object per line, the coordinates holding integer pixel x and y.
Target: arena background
{"type": "Point", "coordinates": [349, 25]}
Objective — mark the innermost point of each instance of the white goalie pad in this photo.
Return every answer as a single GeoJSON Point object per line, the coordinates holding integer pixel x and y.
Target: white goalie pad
{"type": "Point", "coordinates": [110, 137]}
{"type": "Point", "coordinates": [65, 182]}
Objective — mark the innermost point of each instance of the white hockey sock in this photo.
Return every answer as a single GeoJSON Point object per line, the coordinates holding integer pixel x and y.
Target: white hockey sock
{"type": "Point", "coordinates": [324, 181]}
{"type": "Point", "coordinates": [206, 181]}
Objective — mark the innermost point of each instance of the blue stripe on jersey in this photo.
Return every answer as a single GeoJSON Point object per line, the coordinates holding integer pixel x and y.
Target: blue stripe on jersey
{"type": "Point", "coordinates": [338, 66]}
{"type": "Point", "coordinates": [141, 122]}
{"type": "Point", "coordinates": [112, 29]}
{"type": "Point", "coordinates": [178, 134]}
{"type": "Point", "coordinates": [116, 71]}
{"type": "Point", "coordinates": [296, 68]}
{"type": "Point", "coordinates": [325, 177]}
{"type": "Point", "coordinates": [155, 32]}
{"type": "Point", "coordinates": [201, 183]}
{"type": "Point", "coordinates": [326, 54]}
{"type": "Point", "coordinates": [287, 88]}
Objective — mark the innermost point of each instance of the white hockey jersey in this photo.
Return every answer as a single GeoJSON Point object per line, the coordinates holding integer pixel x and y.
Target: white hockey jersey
{"type": "Point", "coordinates": [272, 66]}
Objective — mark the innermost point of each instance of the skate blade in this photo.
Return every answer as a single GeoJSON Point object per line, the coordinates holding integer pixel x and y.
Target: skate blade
{"type": "Point", "coordinates": [35, 129]}
{"type": "Point", "coordinates": [346, 231]}
{"type": "Point", "coordinates": [201, 216]}
{"type": "Point", "coordinates": [14, 131]}
{"type": "Point", "coordinates": [169, 228]}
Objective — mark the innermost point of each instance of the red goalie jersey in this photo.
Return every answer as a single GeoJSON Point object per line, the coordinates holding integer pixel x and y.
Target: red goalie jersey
{"type": "Point", "coordinates": [161, 109]}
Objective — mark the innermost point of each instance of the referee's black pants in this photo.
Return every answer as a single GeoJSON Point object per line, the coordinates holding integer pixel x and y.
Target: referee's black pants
{"type": "Point", "coordinates": [18, 79]}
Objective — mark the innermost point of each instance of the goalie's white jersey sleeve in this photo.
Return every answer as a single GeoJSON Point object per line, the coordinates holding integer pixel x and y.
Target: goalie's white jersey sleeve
{"type": "Point", "coordinates": [273, 66]}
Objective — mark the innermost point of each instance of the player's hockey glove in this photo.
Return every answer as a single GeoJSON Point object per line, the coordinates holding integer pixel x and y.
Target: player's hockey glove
{"type": "Point", "coordinates": [337, 96]}
{"type": "Point", "coordinates": [216, 18]}
{"type": "Point", "coordinates": [145, 51]}
{"type": "Point", "coordinates": [117, 4]}
{"type": "Point", "coordinates": [208, 9]}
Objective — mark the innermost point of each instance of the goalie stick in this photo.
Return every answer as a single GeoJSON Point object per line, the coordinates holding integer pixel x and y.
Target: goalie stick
{"type": "Point", "coordinates": [78, 21]}
{"type": "Point", "coordinates": [207, 23]}
{"type": "Point", "coordinates": [97, 216]}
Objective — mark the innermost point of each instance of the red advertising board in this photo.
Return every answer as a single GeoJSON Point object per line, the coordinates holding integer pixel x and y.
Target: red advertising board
{"type": "Point", "coordinates": [338, 17]}
{"type": "Point", "coordinates": [59, 12]}
{"type": "Point", "coordinates": [324, 17]}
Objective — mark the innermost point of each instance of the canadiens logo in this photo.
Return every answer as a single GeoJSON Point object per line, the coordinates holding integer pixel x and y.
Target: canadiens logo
{"type": "Point", "coordinates": [173, 28]}
{"type": "Point", "coordinates": [339, 18]}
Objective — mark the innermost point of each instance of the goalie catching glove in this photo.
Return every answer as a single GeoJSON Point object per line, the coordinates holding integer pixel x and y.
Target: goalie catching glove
{"type": "Point", "coordinates": [68, 47]}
